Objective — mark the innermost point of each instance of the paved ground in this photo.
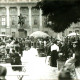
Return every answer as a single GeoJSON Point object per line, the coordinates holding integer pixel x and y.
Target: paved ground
{"type": "Point", "coordinates": [36, 68]}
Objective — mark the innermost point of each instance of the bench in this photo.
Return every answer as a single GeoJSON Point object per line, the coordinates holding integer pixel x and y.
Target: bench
{"type": "Point", "coordinates": [19, 74]}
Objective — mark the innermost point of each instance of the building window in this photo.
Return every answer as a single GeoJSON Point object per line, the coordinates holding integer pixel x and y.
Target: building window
{"type": "Point", "coordinates": [35, 11]}
{"type": "Point", "coordinates": [3, 10]}
{"type": "Point", "coordinates": [70, 32]}
{"type": "Point", "coordinates": [13, 11]}
{"type": "Point", "coordinates": [13, 20]}
{"type": "Point", "coordinates": [3, 32]}
{"type": "Point", "coordinates": [24, 10]}
{"type": "Point", "coordinates": [35, 21]}
{"type": "Point", "coordinates": [3, 21]}
{"type": "Point", "coordinates": [76, 31]}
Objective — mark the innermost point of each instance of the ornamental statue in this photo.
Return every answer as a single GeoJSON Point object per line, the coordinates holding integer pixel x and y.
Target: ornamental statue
{"type": "Point", "coordinates": [21, 20]}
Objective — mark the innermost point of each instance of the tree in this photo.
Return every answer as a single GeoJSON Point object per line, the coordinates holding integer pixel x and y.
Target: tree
{"type": "Point", "coordinates": [60, 12]}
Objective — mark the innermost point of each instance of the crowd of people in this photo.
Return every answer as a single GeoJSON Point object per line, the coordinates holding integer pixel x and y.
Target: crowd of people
{"type": "Point", "coordinates": [67, 51]}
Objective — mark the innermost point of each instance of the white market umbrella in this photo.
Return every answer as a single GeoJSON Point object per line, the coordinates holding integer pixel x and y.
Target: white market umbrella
{"type": "Point", "coordinates": [39, 34]}
{"type": "Point", "coordinates": [2, 35]}
{"type": "Point", "coordinates": [73, 34]}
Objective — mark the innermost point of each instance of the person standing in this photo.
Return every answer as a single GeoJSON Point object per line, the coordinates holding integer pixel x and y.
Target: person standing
{"type": "Point", "coordinates": [54, 54]}
{"type": "Point", "coordinates": [7, 48]}
{"type": "Point", "coordinates": [15, 60]}
{"type": "Point", "coordinates": [3, 72]}
{"type": "Point", "coordinates": [21, 48]}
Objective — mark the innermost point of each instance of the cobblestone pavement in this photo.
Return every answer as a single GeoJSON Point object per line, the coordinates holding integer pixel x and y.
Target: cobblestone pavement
{"type": "Point", "coordinates": [36, 68]}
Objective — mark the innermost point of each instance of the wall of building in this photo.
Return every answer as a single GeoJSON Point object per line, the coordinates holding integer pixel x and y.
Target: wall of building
{"type": "Point", "coordinates": [74, 27]}
{"type": "Point", "coordinates": [9, 17]}
{"type": "Point", "coordinates": [34, 21]}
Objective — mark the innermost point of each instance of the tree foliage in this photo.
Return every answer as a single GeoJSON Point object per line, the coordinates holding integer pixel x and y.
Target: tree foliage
{"type": "Point", "coordinates": [60, 12]}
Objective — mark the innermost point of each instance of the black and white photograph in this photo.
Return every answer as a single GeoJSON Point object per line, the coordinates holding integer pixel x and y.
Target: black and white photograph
{"type": "Point", "coordinates": [39, 39]}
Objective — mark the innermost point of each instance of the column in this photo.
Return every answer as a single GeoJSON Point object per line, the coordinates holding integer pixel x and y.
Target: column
{"type": "Point", "coordinates": [18, 10]}
{"type": "Point", "coordinates": [30, 15]}
{"type": "Point", "coordinates": [30, 21]}
{"type": "Point", "coordinates": [7, 12]}
{"type": "Point", "coordinates": [18, 13]}
{"type": "Point", "coordinates": [8, 29]}
{"type": "Point", "coordinates": [40, 19]}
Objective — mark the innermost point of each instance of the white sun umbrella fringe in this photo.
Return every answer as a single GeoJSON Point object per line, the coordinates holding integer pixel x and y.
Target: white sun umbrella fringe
{"type": "Point", "coordinates": [73, 34]}
{"type": "Point", "coordinates": [39, 34]}
{"type": "Point", "coordinates": [2, 35]}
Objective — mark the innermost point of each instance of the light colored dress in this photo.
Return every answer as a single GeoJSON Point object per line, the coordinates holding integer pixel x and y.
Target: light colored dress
{"type": "Point", "coordinates": [54, 47]}
{"type": "Point", "coordinates": [77, 72]}
{"type": "Point", "coordinates": [70, 64]}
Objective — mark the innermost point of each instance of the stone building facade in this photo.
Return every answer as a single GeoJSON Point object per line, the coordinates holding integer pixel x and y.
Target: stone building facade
{"type": "Point", "coordinates": [33, 19]}
{"type": "Point", "coordinates": [11, 9]}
